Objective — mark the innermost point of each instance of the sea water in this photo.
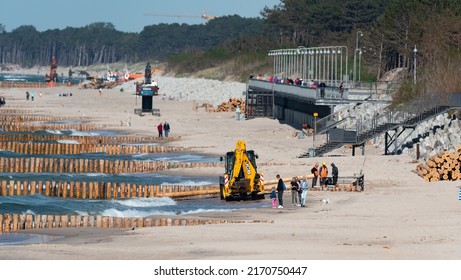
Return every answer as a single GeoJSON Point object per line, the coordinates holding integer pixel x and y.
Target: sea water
{"type": "Point", "coordinates": [13, 77]}
{"type": "Point", "coordinates": [130, 207]}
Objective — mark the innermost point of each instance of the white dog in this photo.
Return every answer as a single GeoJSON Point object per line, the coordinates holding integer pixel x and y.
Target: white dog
{"type": "Point", "coordinates": [325, 201]}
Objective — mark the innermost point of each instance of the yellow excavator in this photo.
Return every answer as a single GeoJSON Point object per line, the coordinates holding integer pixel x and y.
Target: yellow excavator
{"type": "Point", "coordinates": [241, 181]}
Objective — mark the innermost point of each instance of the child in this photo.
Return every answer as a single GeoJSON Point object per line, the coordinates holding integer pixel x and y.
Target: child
{"type": "Point", "coordinates": [273, 196]}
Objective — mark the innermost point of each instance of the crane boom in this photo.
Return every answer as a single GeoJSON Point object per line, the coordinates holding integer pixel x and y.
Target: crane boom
{"type": "Point", "coordinates": [204, 16]}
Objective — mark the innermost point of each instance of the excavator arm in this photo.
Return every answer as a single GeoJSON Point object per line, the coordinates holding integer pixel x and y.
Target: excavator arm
{"type": "Point", "coordinates": [243, 168]}
{"type": "Point", "coordinates": [241, 175]}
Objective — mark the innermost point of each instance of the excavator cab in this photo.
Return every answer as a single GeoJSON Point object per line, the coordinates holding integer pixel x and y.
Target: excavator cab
{"type": "Point", "coordinates": [241, 180]}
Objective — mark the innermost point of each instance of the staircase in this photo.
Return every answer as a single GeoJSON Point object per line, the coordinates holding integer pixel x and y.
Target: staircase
{"type": "Point", "coordinates": [377, 130]}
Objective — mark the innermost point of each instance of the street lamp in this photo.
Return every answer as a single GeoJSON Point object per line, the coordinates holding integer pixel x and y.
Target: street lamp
{"type": "Point", "coordinates": [414, 65]}
{"type": "Point", "coordinates": [315, 129]}
{"type": "Point", "coordinates": [355, 52]}
{"type": "Point", "coordinates": [360, 64]}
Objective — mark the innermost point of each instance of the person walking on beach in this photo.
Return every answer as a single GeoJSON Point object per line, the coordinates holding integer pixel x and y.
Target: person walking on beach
{"type": "Point", "coordinates": [315, 172]}
{"type": "Point", "coordinates": [100, 92]}
{"type": "Point", "coordinates": [304, 186]}
{"type": "Point", "coordinates": [294, 191]}
{"type": "Point", "coordinates": [273, 197]}
{"type": "Point", "coordinates": [280, 188]}
{"type": "Point", "coordinates": [160, 130]}
{"type": "Point", "coordinates": [323, 171]}
{"type": "Point", "coordinates": [166, 128]}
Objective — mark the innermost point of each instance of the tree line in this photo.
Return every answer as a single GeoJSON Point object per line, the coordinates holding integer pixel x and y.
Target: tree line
{"type": "Point", "coordinates": [391, 29]}
{"type": "Point", "coordinates": [100, 42]}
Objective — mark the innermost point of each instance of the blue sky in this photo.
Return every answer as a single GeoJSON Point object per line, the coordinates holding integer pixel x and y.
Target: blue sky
{"type": "Point", "coordinates": [126, 15]}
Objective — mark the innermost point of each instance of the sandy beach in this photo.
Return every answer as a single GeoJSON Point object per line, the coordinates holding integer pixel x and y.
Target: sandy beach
{"type": "Point", "coordinates": [397, 217]}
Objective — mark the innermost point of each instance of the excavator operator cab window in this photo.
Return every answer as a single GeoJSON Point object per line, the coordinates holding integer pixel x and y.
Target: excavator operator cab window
{"type": "Point", "coordinates": [252, 157]}
{"type": "Point", "coordinates": [230, 159]}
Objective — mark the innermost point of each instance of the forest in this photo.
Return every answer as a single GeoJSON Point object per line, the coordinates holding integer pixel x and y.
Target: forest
{"type": "Point", "coordinates": [390, 31]}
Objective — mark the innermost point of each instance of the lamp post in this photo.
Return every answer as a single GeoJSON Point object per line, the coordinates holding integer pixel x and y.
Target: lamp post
{"type": "Point", "coordinates": [315, 129]}
{"type": "Point", "coordinates": [355, 52]}
{"type": "Point", "coordinates": [360, 64]}
{"type": "Point", "coordinates": [414, 65]}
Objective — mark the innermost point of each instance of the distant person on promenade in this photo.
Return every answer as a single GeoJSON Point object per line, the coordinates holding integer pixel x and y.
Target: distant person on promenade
{"type": "Point", "coordinates": [27, 95]}
{"type": "Point", "coordinates": [322, 87]}
{"type": "Point", "coordinates": [280, 188]}
{"type": "Point", "coordinates": [341, 89]}
{"type": "Point", "coordinates": [166, 128]}
{"type": "Point", "coordinates": [160, 130]}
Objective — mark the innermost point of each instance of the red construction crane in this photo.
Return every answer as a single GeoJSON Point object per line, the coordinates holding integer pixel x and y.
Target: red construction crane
{"type": "Point", "coordinates": [204, 16]}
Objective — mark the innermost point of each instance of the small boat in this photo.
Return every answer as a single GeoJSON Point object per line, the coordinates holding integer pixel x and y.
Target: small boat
{"type": "Point", "coordinates": [137, 75]}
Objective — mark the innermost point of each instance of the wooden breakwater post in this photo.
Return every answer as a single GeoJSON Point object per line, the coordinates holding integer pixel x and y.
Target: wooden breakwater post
{"type": "Point", "coordinates": [109, 166]}
{"type": "Point", "coordinates": [100, 190]}
{"type": "Point", "coordinates": [48, 148]}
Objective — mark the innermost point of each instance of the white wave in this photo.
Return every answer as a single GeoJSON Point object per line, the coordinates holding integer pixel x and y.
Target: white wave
{"type": "Point", "coordinates": [81, 133]}
{"type": "Point", "coordinates": [95, 174]}
{"type": "Point", "coordinates": [206, 211]}
{"type": "Point", "coordinates": [165, 159]}
{"type": "Point", "coordinates": [82, 213]}
{"type": "Point", "coordinates": [131, 213]}
{"type": "Point", "coordinates": [139, 155]}
{"type": "Point", "coordinates": [68, 141]}
{"type": "Point", "coordinates": [54, 131]}
{"type": "Point", "coordinates": [146, 202]}
{"type": "Point", "coordinates": [30, 212]}
{"type": "Point", "coordinates": [15, 79]}
{"type": "Point", "coordinates": [188, 183]}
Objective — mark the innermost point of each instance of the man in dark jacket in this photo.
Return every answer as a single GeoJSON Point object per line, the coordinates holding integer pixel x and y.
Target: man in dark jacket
{"type": "Point", "coordinates": [166, 129]}
{"type": "Point", "coordinates": [315, 172]}
{"type": "Point", "coordinates": [280, 189]}
{"type": "Point", "coordinates": [334, 173]}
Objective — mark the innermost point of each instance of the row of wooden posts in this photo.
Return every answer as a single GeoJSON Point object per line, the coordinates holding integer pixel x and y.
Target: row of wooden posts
{"type": "Point", "coordinates": [23, 127]}
{"type": "Point", "coordinates": [100, 190]}
{"type": "Point", "coordinates": [17, 222]}
{"type": "Point", "coordinates": [107, 166]}
{"type": "Point", "coordinates": [35, 148]}
{"type": "Point", "coordinates": [37, 118]}
{"type": "Point", "coordinates": [15, 84]}
{"type": "Point", "coordinates": [26, 137]}
{"type": "Point", "coordinates": [5, 111]}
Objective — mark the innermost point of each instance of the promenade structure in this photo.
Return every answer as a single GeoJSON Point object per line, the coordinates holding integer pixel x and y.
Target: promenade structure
{"type": "Point", "coordinates": [305, 87]}
{"type": "Point", "coordinates": [322, 82]}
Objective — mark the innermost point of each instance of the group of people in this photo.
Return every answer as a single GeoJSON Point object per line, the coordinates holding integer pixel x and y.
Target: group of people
{"type": "Point", "coordinates": [31, 95]}
{"type": "Point", "coordinates": [299, 187]}
{"type": "Point", "coordinates": [299, 82]}
{"type": "Point", "coordinates": [163, 129]}
{"type": "Point", "coordinates": [322, 173]}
